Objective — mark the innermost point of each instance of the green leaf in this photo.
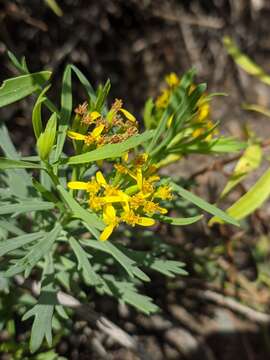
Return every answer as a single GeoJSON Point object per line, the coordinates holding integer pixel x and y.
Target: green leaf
{"type": "Point", "coordinates": [47, 138]}
{"type": "Point", "coordinates": [26, 206]}
{"type": "Point", "coordinates": [257, 108]}
{"type": "Point", "coordinates": [102, 95]}
{"type": "Point", "coordinates": [251, 200]}
{"type": "Point", "coordinates": [78, 211]}
{"type": "Point", "coordinates": [128, 264]}
{"type": "Point", "coordinates": [18, 242]}
{"type": "Point", "coordinates": [17, 88]}
{"type": "Point", "coordinates": [54, 7]}
{"type": "Point", "coordinates": [43, 313]}
{"type": "Point", "coordinates": [126, 292]}
{"type": "Point", "coordinates": [147, 259]}
{"type": "Point", "coordinates": [10, 227]}
{"type": "Point", "coordinates": [36, 114]}
{"type": "Point", "coordinates": [178, 221]}
{"type": "Point", "coordinates": [16, 63]}
{"type": "Point", "coordinates": [19, 180]}
{"type": "Point", "coordinates": [66, 110]}
{"type": "Point", "coordinates": [220, 145]}
{"type": "Point", "coordinates": [168, 267]}
{"type": "Point", "coordinates": [110, 150]}
{"type": "Point", "coordinates": [179, 105]}
{"type": "Point", "coordinates": [249, 161]}
{"type": "Point", "coordinates": [88, 272]}
{"type": "Point", "coordinates": [35, 254]}
{"type": "Point", "coordinates": [6, 163]}
{"type": "Point", "coordinates": [211, 209]}
{"type": "Point", "coordinates": [149, 120]}
{"type": "Point", "coordinates": [88, 87]}
{"type": "Point", "coordinates": [244, 61]}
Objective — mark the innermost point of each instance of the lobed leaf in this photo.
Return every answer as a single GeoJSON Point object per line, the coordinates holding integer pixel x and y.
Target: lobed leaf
{"type": "Point", "coordinates": [89, 274]}
{"type": "Point", "coordinates": [18, 242]}
{"type": "Point", "coordinates": [128, 264]}
{"type": "Point", "coordinates": [78, 211]}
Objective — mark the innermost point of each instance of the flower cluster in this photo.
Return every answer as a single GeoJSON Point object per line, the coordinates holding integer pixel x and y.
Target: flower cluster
{"type": "Point", "coordinates": [131, 195]}
{"type": "Point", "coordinates": [96, 130]}
{"type": "Point", "coordinates": [201, 122]}
{"type": "Point", "coordinates": [172, 81]}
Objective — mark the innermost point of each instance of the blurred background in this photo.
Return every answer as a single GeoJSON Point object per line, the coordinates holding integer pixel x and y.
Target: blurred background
{"type": "Point", "coordinates": [136, 43]}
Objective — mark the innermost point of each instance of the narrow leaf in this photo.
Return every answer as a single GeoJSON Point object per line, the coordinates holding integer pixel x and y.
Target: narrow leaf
{"type": "Point", "coordinates": [110, 150]}
{"type": "Point", "coordinates": [211, 209]}
{"type": "Point", "coordinates": [178, 221]}
{"type": "Point", "coordinates": [17, 88]}
{"type": "Point", "coordinates": [251, 200]}
{"type": "Point", "coordinates": [27, 206]}
{"type": "Point", "coordinates": [245, 62]}
{"type": "Point", "coordinates": [6, 163]}
{"type": "Point", "coordinates": [249, 161]}
{"type": "Point", "coordinates": [65, 113]}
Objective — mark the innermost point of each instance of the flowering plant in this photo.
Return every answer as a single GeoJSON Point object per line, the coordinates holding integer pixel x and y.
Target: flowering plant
{"type": "Point", "coordinates": [66, 214]}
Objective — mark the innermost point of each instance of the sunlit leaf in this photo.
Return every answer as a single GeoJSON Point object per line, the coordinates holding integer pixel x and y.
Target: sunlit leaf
{"type": "Point", "coordinates": [17, 88]}
{"type": "Point", "coordinates": [244, 61]}
{"type": "Point", "coordinates": [249, 161]}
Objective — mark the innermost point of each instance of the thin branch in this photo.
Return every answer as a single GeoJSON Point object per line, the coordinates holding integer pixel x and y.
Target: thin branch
{"type": "Point", "coordinates": [233, 305]}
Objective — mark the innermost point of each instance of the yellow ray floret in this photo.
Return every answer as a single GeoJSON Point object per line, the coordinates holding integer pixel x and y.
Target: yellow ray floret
{"type": "Point", "coordinates": [90, 138]}
{"type": "Point", "coordinates": [132, 219]}
{"type": "Point", "coordinates": [128, 115]}
{"type": "Point", "coordinates": [111, 220]}
{"type": "Point", "coordinates": [90, 186]}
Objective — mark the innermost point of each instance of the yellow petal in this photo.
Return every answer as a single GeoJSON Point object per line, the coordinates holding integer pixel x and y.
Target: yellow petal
{"type": "Point", "coordinates": [144, 221]}
{"type": "Point", "coordinates": [139, 178]}
{"type": "Point", "coordinates": [95, 115]}
{"type": "Point", "coordinates": [97, 131]}
{"type": "Point", "coordinates": [76, 136]}
{"type": "Point", "coordinates": [112, 199]}
{"type": "Point", "coordinates": [77, 185]}
{"type": "Point", "coordinates": [128, 115]}
{"type": "Point", "coordinates": [106, 233]}
{"type": "Point", "coordinates": [100, 178]}
{"type": "Point", "coordinates": [169, 121]}
{"type": "Point", "coordinates": [109, 213]}
{"type": "Point", "coordinates": [125, 157]}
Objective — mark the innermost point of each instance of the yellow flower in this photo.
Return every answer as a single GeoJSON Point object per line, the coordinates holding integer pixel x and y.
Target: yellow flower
{"type": "Point", "coordinates": [117, 107]}
{"type": "Point", "coordinates": [90, 186]}
{"type": "Point", "coordinates": [132, 219]}
{"type": "Point", "coordinates": [203, 111]}
{"type": "Point", "coordinates": [164, 193]}
{"type": "Point", "coordinates": [95, 202]}
{"type": "Point", "coordinates": [111, 220]}
{"type": "Point", "coordinates": [172, 79]}
{"type": "Point", "coordinates": [137, 200]}
{"type": "Point", "coordinates": [151, 208]}
{"type": "Point", "coordinates": [88, 139]}
{"type": "Point", "coordinates": [163, 99]}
